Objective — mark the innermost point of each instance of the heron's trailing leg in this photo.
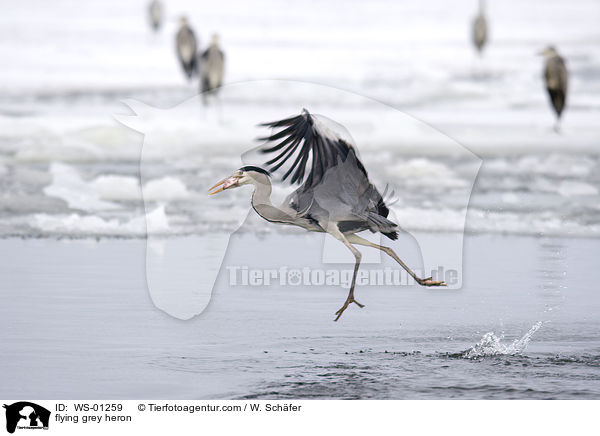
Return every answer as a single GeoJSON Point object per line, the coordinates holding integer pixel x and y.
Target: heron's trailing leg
{"type": "Point", "coordinates": [355, 239]}
{"type": "Point", "coordinates": [358, 256]}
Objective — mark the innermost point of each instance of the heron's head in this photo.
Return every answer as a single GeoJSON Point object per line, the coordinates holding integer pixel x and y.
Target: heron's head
{"type": "Point", "coordinates": [215, 39]}
{"type": "Point", "coordinates": [244, 176]}
{"type": "Point", "coordinates": [183, 21]}
{"type": "Point", "coordinates": [548, 52]}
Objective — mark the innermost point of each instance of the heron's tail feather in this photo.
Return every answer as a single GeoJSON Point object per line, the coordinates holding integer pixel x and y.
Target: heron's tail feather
{"type": "Point", "coordinates": [381, 224]}
{"type": "Point", "coordinates": [392, 235]}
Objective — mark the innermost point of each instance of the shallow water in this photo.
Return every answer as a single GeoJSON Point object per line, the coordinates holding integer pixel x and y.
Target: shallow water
{"type": "Point", "coordinates": [78, 323]}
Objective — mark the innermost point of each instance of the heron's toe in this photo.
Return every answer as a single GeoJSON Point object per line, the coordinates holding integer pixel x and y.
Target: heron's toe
{"type": "Point", "coordinates": [430, 282]}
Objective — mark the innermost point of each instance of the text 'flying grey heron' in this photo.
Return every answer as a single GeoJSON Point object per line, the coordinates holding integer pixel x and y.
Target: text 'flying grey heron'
{"type": "Point", "coordinates": [335, 195]}
{"type": "Point", "coordinates": [557, 78]}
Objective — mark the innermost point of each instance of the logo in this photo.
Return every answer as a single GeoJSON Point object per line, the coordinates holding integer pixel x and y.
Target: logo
{"type": "Point", "coordinates": [26, 415]}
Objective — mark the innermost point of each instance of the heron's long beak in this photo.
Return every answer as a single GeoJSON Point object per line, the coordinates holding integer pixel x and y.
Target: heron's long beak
{"type": "Point", "coordinates": [227, 183]}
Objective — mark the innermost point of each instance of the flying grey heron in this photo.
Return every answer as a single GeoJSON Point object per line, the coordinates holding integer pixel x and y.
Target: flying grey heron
{"type": "Point", "coordinates": [186, 47]}
{"type": "Point", "coordinates": [556, 76]}
{"type": "Point", "coordinates": [335, 195]}
{"type": "Point", "coordinates": [155, 11]}
{"type": "Point", "coordinates": [480, 28]}
{"type": "Point", "coordinates": [212, 67]}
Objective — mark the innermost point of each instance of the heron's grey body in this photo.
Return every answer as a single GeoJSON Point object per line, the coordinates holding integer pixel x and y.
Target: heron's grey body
{"type": "Point", "coordinates": [187, 46]}
{"type": "Point", "coordinates": [156, 14]}
{"type": "Point", "coordinates": [212, 67]}
{"type": "Point", "coordinates": [480, 29]}
{"type": "Point", "coordinates": [334, 196]}
{"type": "Point", "coordinates": [557, 78]}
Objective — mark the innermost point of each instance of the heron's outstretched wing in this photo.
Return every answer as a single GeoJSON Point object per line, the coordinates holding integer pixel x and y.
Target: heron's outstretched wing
{"type": "Point", "coordinates": [303, 138]}
{"type": "Point", "coordinates": [335, 184]}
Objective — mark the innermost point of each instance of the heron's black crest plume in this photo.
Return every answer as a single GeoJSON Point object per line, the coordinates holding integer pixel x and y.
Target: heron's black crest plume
{"type": "Point", "coordinates": [257, 169]}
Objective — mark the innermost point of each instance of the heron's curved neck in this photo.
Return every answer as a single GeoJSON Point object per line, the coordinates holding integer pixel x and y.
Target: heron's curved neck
{"type": "Point", "coordinates": [262, 192]}
{"type": "Point", "coordinates": [261, 201]}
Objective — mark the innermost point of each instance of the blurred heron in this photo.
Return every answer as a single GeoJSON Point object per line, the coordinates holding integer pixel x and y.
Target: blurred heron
{"type": "Point", "coordinates": [186, 47]}
{"type": "Point", "coordinates": [480, 28]}
{"type": "Point", "coordinates": [155, 10]}
{"type": "Point", "coordinates": [212, 67]}
{"type": "Point", "coordinates": [557, 77]}
{"type": "Point", "coordinates": [335, 195]}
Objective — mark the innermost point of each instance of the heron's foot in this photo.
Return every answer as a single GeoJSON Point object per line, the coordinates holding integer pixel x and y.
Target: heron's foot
{"type": "Point", "coordinates": [345, 306]}
{"type": "Point", "coordinates": [430, 282]}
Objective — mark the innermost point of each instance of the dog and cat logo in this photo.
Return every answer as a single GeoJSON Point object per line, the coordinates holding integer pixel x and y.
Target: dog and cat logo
{"type": "Point", "coordinates": [26, 415]}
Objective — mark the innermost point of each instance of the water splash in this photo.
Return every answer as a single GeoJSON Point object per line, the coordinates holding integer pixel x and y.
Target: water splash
{"type": "Point", "coordinates": [491, 345]}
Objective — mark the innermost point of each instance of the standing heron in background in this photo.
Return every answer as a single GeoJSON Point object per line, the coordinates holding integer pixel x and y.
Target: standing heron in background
{"type": "Point", "coordinates": [335, 195]}
{"type": "Point", "coordinates": [480, 28]}
{"type": "Point", "coordinates": [212, 68]}
{"type": "Point", "coordinates": [155, 11]}
{"type": "Point", "coordinates": [557, 77]}
{"type": "Point", "coordinates": [187, 46]}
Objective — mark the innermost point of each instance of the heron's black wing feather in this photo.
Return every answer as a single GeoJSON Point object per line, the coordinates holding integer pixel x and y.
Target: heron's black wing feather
{"type": "Point", "coordinates": [334, 185]}
{"type": "Point", "coordinates": [300, 138]}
